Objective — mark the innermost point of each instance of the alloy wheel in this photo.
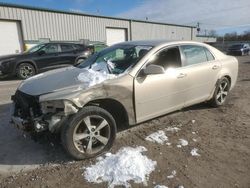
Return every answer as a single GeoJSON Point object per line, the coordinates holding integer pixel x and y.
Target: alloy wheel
{"type": "Point", "coordinates": [91, 134]}
{"type": "Point", "coordinates": [222, 92]}
{"type": "Point", "coordinates": [26, 71]}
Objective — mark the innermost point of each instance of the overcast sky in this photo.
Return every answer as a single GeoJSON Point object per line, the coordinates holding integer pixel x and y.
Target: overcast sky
{"type": "Point", "coordinates": [221, 15]}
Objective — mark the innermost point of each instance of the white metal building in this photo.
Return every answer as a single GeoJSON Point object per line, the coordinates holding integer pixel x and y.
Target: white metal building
{"type": "Point", "coordinates": [21, 25]}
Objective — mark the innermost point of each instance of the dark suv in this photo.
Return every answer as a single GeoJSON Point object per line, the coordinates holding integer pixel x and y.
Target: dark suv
{"type": "Point", "coordinates": [239, 49]}
{"type": "Point", "coordinates": [40, 58]}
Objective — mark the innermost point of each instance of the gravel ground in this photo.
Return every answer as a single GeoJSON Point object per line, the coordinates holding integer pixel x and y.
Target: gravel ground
{"type": "Point", "coordinates": [221, 135]}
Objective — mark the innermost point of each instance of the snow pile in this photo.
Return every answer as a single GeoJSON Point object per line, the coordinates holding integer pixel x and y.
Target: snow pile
{"type": "Point", "coordinates": [173, 174]}
{"type": "Point", "coordinates": [157, 137]}
{"type": "Point", "coordinates": [172, 129]}
{"type": "Point", "coordinates": [182, 142]}
{"type": "Point", "coordinates": [92, 77]}
{"type": "Point", "coordinates": [160, 186]}
{"type": "Point", "coordinates": [128, 164]}
{"type": "Point", "coordinates": [194, 152]}
{"type": "Point", "coordinates": [193, 121]}
{"type": "Point", "coordinates": [194, 139]}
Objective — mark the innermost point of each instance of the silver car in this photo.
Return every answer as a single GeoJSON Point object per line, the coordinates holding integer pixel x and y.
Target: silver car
{"type": "Point", "coordinates": [122, 85]}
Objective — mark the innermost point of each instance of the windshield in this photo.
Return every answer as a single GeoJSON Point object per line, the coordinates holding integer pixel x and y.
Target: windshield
{"type": "Point", "coordinates": [35, 48]}
{"type": "Point", "coordinates": [116, 59]}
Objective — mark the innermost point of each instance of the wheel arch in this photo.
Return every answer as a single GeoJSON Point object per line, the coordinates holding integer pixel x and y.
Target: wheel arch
{"type": "Point", "coordinates": [115, 108]}
{"type": "Point", "coordinates": [224, 76]}
{"type": "Point", "coordinates": [27, 61]}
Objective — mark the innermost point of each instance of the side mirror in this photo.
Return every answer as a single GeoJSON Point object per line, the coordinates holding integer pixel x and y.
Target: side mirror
{"type": "Point", "coordinates": [41, 52]}
{"type": "Point", "coordinates": [153, 69]}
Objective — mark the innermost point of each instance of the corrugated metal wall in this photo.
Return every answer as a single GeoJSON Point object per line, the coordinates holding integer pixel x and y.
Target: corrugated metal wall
{"type": "Point", "coordinates": [58, 26]}
{"type": "Point", "coordinates": [141, 30]}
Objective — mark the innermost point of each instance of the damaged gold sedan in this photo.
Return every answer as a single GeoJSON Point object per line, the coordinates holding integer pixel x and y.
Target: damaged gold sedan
{"type": "Point", "coordinates": [122, 85]}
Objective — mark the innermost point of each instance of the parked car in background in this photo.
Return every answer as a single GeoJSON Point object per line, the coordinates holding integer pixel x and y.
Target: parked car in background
{"type": "Point", "coordinates": [239, 49]}
{"type": "Point", "coordinates": [122, 85]}
{"type": "Point", "coordinates": [90, 49]}
{"type": "Point", "coordinates": [40, 58]}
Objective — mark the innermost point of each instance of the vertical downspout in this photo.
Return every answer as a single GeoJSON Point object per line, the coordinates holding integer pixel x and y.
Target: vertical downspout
{"type": "Point", "coordinates": [191, 33]}
{"type": "Point", "coordinates": [130, 29]}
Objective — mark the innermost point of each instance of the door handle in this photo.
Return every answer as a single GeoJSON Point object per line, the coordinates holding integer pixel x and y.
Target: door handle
{"type": "Point", "coordinates": [215, 67]}
{"type": "Point", "coordinates": [181, 75]}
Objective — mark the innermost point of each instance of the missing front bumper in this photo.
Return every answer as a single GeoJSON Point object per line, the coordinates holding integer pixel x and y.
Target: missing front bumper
{"type": "Point", "coordinates": [26, 125]}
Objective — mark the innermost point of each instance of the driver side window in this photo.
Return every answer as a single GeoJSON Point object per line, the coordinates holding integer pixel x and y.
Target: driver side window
{"type": "Point", "coordinates": [117, 54]}
{"type": "Point", "coordinates": [168, 58]}
{"type": "Point", "coordinates": [51, 48]}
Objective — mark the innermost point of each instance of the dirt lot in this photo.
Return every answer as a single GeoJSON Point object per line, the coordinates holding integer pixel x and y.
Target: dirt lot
{"type": "Point", "coordinates": [223, 141]}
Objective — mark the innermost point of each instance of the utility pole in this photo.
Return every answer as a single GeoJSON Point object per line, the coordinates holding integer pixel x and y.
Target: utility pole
{"type": "Point", "coordinates": [198, 27]}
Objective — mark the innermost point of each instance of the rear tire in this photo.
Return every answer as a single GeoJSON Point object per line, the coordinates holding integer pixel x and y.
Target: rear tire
{"type": "Point", "coordinates": [88, 133]}
{"type": "Point", "coordinates": [25, 70]}
{"type": "Point", "coordinates": [220, 93]}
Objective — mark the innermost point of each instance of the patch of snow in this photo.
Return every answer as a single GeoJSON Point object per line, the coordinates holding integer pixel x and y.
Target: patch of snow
{"type": "Point", "coordinates": [168, 143]}
{"type": "Point", "coordinates": [157, 137]}
{"type": "Point", "coordinates": [193, 132]}
{"type": "Point", "coordinates": [193, 121]}
{"type": "Point", "coordinates": [91, 77]}
{"type": "Point", "coordinates": [172, 129]}
{"type": "Point", "coordinates": [173, 174]}
{"type": "Point", "coordinates": [183, 142]}
{"type": "Point", "coordinates": [194, 139]}
{"type": "Point", "coordinates": [194, 152]}
{"type": "Point", "coordinates": [128, 164]}
{"type": "Point", "coordinates": [180, 186]}
{"type": "Point", "coordinates": [160, 186]}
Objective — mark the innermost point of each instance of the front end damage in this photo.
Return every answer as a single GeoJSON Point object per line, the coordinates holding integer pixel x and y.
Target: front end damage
{"type": "Point", "coordinates": [29, 114]}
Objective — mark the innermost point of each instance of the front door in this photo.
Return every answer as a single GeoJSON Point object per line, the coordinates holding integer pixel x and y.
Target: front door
{"type": "Point", "coordinates": [158, 94]}
{"type": "Point", "coordinates": [47, 57]}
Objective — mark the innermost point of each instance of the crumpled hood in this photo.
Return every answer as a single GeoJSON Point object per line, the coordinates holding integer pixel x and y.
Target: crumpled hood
{"type": "Point", "coordinates": [69, 78]}
{"type": "Point", "coordinates": [51, 81]}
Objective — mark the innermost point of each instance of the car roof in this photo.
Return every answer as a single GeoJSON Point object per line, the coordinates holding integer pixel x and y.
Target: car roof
{"type": "Point", "coordinates": [63, 43]}
{"type": "Point", "coordinates": [155, 43]}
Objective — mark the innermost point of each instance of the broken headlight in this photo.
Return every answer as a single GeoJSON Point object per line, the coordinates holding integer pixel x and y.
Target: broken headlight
{"type": "Point", "coordinates": [60, 107]}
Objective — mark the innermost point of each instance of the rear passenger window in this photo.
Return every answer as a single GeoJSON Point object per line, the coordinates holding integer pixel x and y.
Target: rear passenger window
{"type": "Point", "coordinates": [210, 57]}
{"type": "Point", "coordinates": [168, 58]}
{"type": "Point", "coordinates": [66, 48]}
{"type": "Point", "coordinates": [194, 54]}
{"type": "Point", "coordinates": [78, 46]}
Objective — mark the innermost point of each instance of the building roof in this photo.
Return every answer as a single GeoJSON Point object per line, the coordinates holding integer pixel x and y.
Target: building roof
{"type": "Point", "coordinates": [84, 14]}
{"type": "Point", "coordinates": [145, 42]}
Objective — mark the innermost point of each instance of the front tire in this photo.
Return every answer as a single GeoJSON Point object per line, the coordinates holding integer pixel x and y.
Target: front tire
{"type": "Point", "coordinates": [220, 93]}
{"type": "Point", "coordinates": [88, 133]}
{"type": "Point", "coordinates": [25, 70]}
{"type": "Point", "coordinates": [79, 61]}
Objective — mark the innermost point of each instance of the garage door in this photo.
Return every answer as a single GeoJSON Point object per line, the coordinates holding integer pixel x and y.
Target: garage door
{"type": "Point", "coordinates": [115, 35]}
{"type": "Point", "coordinates": [10, 38]}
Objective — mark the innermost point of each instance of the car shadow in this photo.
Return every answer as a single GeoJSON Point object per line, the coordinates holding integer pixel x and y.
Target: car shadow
{"type": "Point", "coordinates": [19, 148]}
{"type": "Point", "coordinates": [12, 78]}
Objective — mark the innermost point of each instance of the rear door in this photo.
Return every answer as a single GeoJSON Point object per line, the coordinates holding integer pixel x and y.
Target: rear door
{"type": "Point", "coordinates": [47, 57]}
{"type": "Point", "coordinates": [201, 70]}
{"type": "Point", "coordinates": [68, 54]}
{"type": "Point", "coordinates": [158, 94]}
